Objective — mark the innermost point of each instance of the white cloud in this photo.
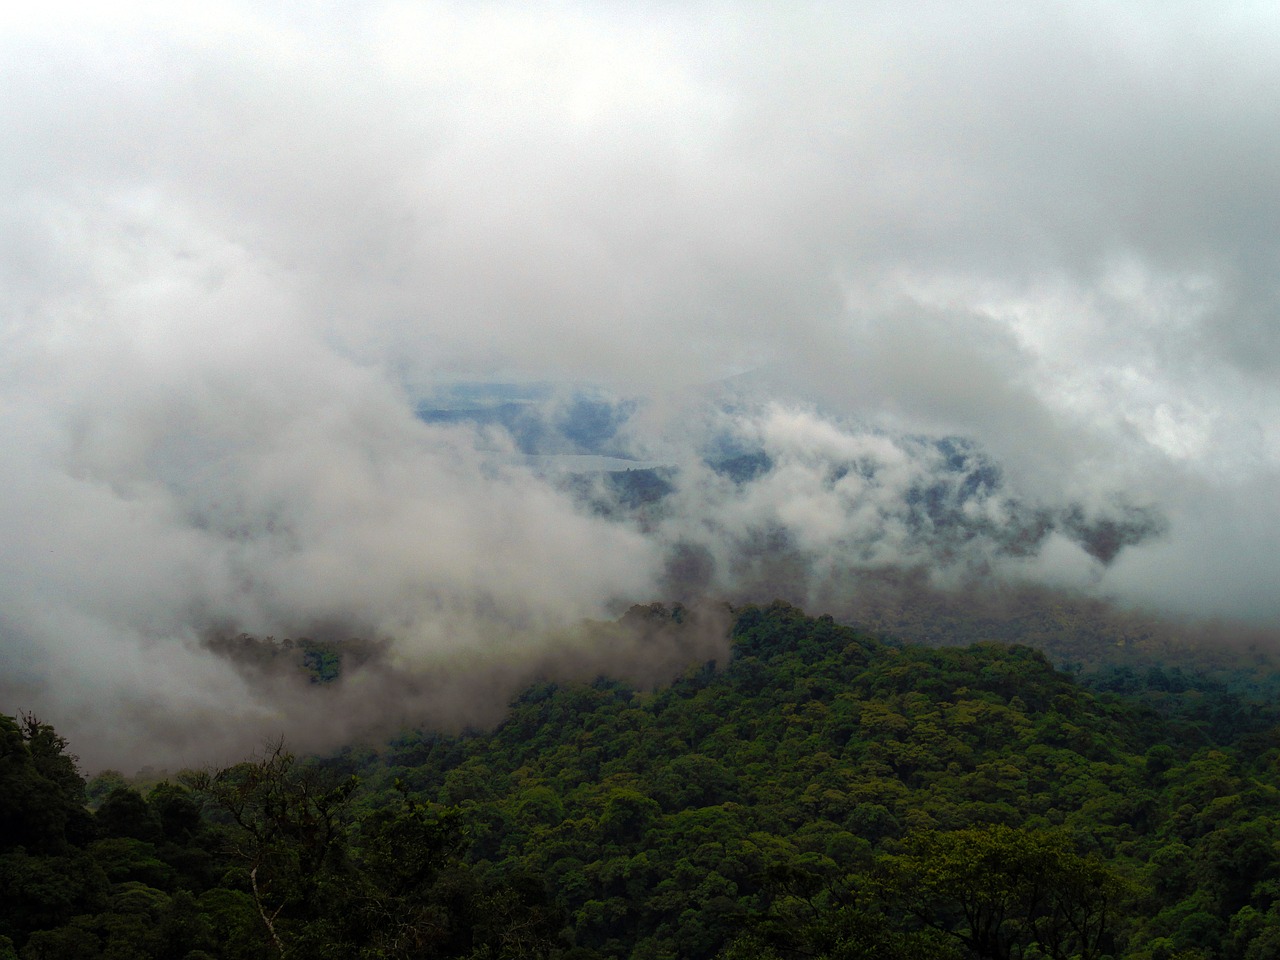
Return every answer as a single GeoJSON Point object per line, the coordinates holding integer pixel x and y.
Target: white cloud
{"type": "Point", "coordinates": [238, 241]}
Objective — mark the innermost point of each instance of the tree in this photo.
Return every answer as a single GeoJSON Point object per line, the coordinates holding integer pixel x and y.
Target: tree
{"type": "Point", "coordinates": [124, 813]}
{"type": "Point", "coordinates": [41, 791]}
{"type": "Point", "coordinates": [1001, 892]}
{"type": "Point", "coordinates": [288, 830]}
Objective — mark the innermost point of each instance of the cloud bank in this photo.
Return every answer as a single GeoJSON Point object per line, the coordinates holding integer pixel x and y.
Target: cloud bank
{"type": "Point", "coordinates": [992, 292]}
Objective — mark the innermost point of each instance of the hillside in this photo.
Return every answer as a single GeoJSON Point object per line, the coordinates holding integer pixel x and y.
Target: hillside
{"type": "Point", "coordinates": [825, 793]}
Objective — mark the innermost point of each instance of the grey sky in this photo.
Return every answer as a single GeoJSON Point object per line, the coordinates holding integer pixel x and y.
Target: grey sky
{"type": "Point", "coordinates": [239, 241]}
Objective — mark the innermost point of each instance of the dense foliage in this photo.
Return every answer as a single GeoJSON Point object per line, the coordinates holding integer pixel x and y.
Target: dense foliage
{"type": "Point", "coordinates": [824, 794]}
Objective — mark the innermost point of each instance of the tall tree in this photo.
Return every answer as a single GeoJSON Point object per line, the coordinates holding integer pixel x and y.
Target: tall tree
{"type": "Point", "coordinates": [1005, 893]}
{"type": "Point", "coordinates": [288, 830]}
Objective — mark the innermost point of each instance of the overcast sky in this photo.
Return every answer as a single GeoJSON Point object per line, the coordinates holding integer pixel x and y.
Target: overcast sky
{"type": "Point", "coordinates": [239, 242]}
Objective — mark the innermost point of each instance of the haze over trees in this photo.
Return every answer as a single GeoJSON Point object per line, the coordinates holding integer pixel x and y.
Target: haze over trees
{"type": "Point", "coordinates": [448, 326]}
{"type": "Point", "coordinates": [360, 362]}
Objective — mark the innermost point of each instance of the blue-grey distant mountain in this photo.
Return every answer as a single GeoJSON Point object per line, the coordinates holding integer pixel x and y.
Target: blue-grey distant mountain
{"type": "Point", "coordinates": [577, 435]}
{"type": "Point", "coordinates": [541, 420]}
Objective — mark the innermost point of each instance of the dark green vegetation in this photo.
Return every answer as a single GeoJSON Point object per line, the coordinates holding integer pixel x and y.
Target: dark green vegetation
{"type": "Point", "coordinates": [320, 661]}
{"type": "Point", "coordinates": [824, 794]}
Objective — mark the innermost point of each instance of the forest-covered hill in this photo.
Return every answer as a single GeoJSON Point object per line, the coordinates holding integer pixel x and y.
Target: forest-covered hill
{"type": "Point", "coordinates": [823, 794]}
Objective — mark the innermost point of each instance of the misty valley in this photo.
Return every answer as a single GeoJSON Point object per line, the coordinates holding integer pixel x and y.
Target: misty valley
{"type": "Point", "coordinates": [817, 790]}
{"type": "Point", "coordinates": [667, 481]}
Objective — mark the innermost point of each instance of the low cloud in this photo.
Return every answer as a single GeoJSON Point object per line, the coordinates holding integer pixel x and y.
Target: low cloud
{"type": "Point", "coordinates": [945, 293]}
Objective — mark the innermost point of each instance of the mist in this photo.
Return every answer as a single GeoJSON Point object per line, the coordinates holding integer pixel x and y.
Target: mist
{"type": "Point", "coordinates": [954, 292]}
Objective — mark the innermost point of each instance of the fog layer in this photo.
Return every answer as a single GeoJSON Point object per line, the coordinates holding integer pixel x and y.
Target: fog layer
{"type": "Point", "coordinates": [993, 293]}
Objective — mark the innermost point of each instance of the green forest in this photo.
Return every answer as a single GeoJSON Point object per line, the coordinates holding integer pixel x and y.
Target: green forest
{"type": "Point", "coordinates": [827, 793]}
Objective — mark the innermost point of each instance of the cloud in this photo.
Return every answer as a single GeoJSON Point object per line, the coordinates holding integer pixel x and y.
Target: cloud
{"type": "Point", "coordinates": [241, 245]}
